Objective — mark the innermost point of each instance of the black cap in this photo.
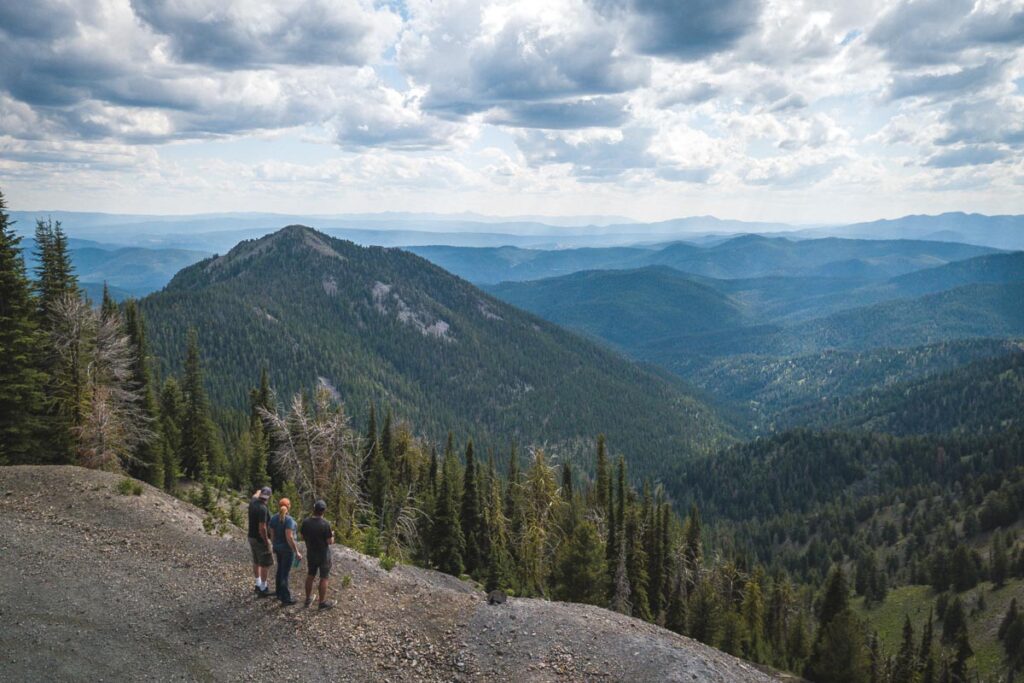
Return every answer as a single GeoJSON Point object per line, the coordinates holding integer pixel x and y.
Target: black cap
{"type": "Point", "coordinates": [319, 506]}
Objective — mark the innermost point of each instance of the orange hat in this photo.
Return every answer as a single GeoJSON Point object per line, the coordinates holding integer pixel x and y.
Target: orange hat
{"type": "Point", "coordinates": [284, 503]}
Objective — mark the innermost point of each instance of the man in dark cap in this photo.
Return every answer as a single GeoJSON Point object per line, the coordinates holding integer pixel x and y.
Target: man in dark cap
{"type": "Point", "coordinates": [259, 539]}
{"type": "Point", "coordinates": [318, 535]}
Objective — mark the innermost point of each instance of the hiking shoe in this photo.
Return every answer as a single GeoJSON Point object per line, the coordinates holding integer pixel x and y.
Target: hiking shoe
{"type": "Point", "coordinates": [263, 593]}
{"type": "Point", "coordinates": [326, 605]}
{"type": "Point", "coordinates": [309, 601]}
{"type": "Point", "coordinates": [289, 601]}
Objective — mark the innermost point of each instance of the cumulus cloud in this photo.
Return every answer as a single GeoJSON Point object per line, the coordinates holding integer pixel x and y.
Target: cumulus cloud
{"type": "Point", "coordinates": [954, 83]}
{"type": "Point", "coordinates": [526, 62]}
{"type": "Point", "coordinates": [927, 32]}
{"type": "Point", "coordinates": [237, 34]}
{"type": "Point", "coordinates": [686, 30]}
{"type": "Point", "coordinates": [518, 96]}
{"type": "Point", "coordinates": [968, 155]}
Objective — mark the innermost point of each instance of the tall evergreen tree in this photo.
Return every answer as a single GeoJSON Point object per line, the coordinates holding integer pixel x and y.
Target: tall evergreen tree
{"type": "Point", "coordinates": [172, 412]}
{"type": "Point", "coordinates": [65, 388]}
{"type": "Point", "coordinates": [448, 541]}
{"type": "Point", "coordinates": [21, 381]}
{"type": "Point", "coordinates": [149, 456]}
{"type": "Point", "coordinates": [579, 569]}
{"type": "Point", "coordinates": [197, 430]}
{"type": "Point", "coordinates": [55, 276]}
{"type": "Point", "coordinates": [470, 514]}
{"type": "Point", "coordinates": [602, 481]}
{"type": "Point", "coordinates": [905, 667]}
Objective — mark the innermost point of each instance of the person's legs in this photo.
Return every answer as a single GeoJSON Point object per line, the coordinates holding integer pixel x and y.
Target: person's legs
{"type": "Point", "coordinates": [284, 570]}
{"type": "Point", "coordinates": [309, 589]}
{"type": "Point", "coordinates": [323, 591]}
{"type": "Point", "coordinates": [281, 575]}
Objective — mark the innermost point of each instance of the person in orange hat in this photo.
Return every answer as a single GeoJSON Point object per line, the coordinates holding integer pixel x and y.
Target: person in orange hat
{"type": "Point", "coordinates": [282, 532]}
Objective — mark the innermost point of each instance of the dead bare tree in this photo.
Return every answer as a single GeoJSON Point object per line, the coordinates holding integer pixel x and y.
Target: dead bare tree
{"type": "Point", "coordinates": [318, 450]}
{"type": "Point", "coordinates": [96, 389]}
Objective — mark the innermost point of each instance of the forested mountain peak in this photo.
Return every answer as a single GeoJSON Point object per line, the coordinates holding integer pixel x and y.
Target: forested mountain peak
{"type": "Point", "coordinates": [387, 326]}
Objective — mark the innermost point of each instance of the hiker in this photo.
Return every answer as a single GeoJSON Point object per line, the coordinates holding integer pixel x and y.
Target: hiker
{"type": "Point", "coordinates": [318, 535]}
{"type": "Point", "coordinates": [259, 540]}
{"type": "Point", "coordinates": [282, 531]}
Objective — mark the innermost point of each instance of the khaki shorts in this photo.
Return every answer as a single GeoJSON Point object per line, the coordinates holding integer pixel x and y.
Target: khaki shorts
{"type": "Point", "coordinates": [260, 553]}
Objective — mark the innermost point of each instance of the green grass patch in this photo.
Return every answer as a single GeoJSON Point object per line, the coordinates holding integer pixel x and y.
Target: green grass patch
{"type": "Point", "coordinates": [129, 487]}
{"type": "Point", "coordinates": [916, 601]}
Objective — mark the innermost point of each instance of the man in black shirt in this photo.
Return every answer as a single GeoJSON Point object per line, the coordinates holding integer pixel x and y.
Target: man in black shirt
{"type": "Point", "coordinates": [259, 539]}
{"type": "Point", "coordinates": [318, 535]}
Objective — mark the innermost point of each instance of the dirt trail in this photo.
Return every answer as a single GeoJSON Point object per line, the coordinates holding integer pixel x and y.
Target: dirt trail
{"type": "Point", "coordinates": [101, 586]}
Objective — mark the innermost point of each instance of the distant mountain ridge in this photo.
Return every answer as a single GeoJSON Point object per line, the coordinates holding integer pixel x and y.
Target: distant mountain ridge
{"type": "Point", "coordinates": [744, 256]}
{"type": "Point", "coordinates": [386, 325]}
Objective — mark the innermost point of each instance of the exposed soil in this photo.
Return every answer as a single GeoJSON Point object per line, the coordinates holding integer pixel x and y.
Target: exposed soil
{"type": "Point", "coordinates": [102, 586]}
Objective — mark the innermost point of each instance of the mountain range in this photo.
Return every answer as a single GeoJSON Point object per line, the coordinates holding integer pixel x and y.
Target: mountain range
{"type": "Point", "coordinates": [387, 326]}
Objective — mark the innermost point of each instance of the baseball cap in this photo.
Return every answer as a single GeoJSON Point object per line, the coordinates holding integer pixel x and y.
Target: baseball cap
{"type": "Point", "coordinates": [265, 492]}
{"type": "Point", "coordinates": [319, 506]}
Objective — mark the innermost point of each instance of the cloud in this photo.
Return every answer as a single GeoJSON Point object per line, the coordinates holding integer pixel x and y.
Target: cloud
{"type": "Point", "coordinates": [970, 155]}
{"type": "Point", "coordinates": [234, 34]}
{"type": "Point", "coordinates": [571, 114]}
{"type": "Point", "coordinates": [685, 30]}
{"type": "Point", "coordinates": [521, 61]}
{"type": "Point", "coordinates": [956, 83]}
{"type": "Point", "coordinates": [604, 156]}
{"type": "Point", "coordinates": [928, 32]}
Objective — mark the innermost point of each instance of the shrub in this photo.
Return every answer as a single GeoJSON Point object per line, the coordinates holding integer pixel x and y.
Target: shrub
{"type": "Point", "coordinates": [129, 487]}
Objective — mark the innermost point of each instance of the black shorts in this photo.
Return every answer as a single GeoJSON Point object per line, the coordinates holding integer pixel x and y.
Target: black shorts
{"type": "Point", "coordinates": [260, 553]}
{"type": "Point", "coordinates": [319, 562]}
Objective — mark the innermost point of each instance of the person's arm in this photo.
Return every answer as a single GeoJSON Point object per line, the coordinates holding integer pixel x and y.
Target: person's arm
{"type": "Point", "coordinates": [289, 535]}
{"type": "Point", "coordinates": [264, 532]}
{"type": "Point", "coordinates": [330, 536]}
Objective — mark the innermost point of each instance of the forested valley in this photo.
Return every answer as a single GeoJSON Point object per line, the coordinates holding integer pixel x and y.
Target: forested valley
{"type": "Point", "coordinates": [873, 538]}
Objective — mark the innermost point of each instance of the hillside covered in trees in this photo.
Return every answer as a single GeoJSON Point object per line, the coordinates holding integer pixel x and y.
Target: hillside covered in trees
{"type": "Point", "coordinates": [384, 325]}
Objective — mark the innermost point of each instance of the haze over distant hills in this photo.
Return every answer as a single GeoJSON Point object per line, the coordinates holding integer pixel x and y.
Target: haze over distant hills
{"type": "Point", "coordinates": [219, 232]}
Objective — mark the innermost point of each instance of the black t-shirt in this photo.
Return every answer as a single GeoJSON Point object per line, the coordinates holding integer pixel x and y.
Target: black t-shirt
{"type": "Point", "coordinates": [258, 514]}
{"type": "Point", "coordinates": [316, 532]}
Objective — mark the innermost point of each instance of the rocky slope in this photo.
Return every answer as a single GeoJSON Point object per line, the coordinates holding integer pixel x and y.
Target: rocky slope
{"type": "Point", "coordinates": [103, 586]}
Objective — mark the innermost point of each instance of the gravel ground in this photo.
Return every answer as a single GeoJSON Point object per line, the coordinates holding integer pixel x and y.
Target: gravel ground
{"type": "Point", "coordinates": [105, 587]}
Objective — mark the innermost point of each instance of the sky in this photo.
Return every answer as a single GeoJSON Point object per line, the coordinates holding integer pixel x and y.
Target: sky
{"type": "Point", "coordinates": [796, 111]}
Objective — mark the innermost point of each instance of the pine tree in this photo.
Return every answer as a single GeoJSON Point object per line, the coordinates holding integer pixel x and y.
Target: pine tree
{"type": "Point", "coordinates": [448, 540]}
{"type": "Point", "coordinates": [499, 560]}
{"type": "Point", "coordinates": [602, 481]}
{"type": "Point", "coordinates": [149, 455]}
{"type": "Point", "coordinates": [925, 656]}
{"type": "Point", "coordinates": [835, 598]}
{"type": "Point", "coordinates": [470, 514]}
{"type": "Point", "coordinates": [953, 621]}
{"type": "Point", "coordinates": [197, 430]}
{"type": "Point", "coordinates": [64, 391]}
{"type": "Point", "coordinates": [21, 381]}
{"type": "Point", "coordinates": [905, 666]}
{"type": "Point", "coordinates": [693, 554]}
{"type": "Point", "coordinates": [1000, 563]}
{"type": "Point", "coordinates": [840, 653]}
{"type": "Point", "coordinates": [55, 276]}
{"type": "Point", "coordinates": [172, 411]}
{"type": "Point", "coordinates": [620, 587]}
{"type": "Point", "coordinates": [958, 669]}
{"type": "Point", "coordinates": [703, 610]}
{"type": "Point", "coordinates": [579, 569]}
{"type": "Point", "coordinates": [566, 487]}
{"type": "Point", "coordinates": [636, 558]}
{"type": "Point", "coordinates": [675, 612]}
